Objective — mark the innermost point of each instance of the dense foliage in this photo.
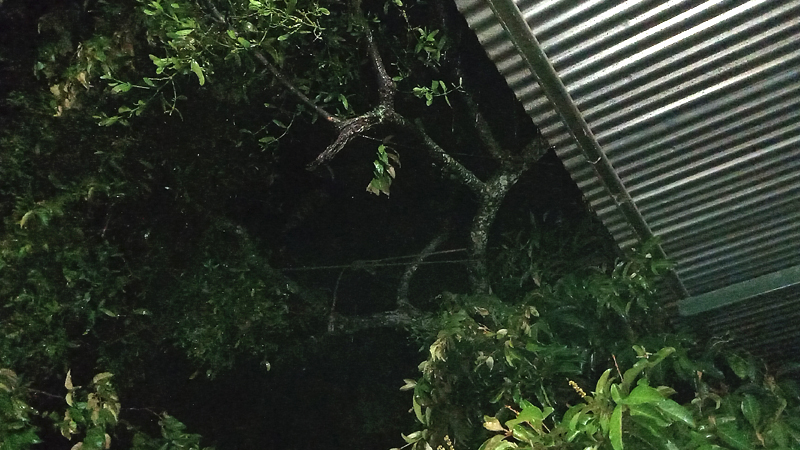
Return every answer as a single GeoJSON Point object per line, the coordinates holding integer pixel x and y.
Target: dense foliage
{"type": "Point", "coordinates": [200, 189]}
{"type": "Point", "coordinates": [587, 360]}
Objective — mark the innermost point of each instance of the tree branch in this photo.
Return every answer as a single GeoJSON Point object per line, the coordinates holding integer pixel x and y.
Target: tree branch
{"type": "Point", "coordinates": [489, 204]}
{"type": "Point", "coordinates": [386, 87]}
{"type": "Point", "coordinates": [450, 164]}
{"type": "Point", "coordinates": [351, 128]}
{"type": "Point", "coordinates": [484, 131]}
{"type": "Point", "coordinates": [388, 319]}
{"type": "Point", "coordinates": [348, 130]}
{"type": "Point", "coordinates": [405, 280]}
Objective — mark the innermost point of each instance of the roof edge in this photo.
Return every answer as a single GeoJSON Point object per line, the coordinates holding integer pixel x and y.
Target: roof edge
{"type": "Point", "coordinates": [740, 292]}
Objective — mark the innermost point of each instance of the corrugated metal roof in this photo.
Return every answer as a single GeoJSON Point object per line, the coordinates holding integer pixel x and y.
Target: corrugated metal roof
{"type": "Point", "coordinates": [696, 106]}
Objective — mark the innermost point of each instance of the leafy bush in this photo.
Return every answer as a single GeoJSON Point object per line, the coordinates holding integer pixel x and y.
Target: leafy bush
{"type": "Point", "coordinates": [519, 367]}
{"type": "Point", "coordinates": [92, 417]}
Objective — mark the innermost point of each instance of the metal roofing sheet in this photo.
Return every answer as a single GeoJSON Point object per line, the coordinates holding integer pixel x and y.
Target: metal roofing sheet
{"type": "Point", "coordinates": [696, 104]}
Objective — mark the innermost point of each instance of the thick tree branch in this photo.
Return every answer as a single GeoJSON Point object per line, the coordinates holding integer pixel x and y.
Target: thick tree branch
{"type": "Point", "coordinates": [348, 130]}
{"type": "Point", "coordinates": [489, 204]}
{"type": "Point", "coordinates": [534, 151]}
{"type": "Point", "coordinates": [386, 87]}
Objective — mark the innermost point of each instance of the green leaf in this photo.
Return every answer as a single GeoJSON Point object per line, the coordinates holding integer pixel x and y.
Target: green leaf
{"type": "Point", "coordinates": [779, 433]}
{"type": "Point", "coordinates": [650, 412]}
{"type": "Point", "coordinates": [417, 410]}
{"type": "Point", "coordinates": [739, 366]}
{"type": "Point", "coordinates": [108, 312]}
{"type": "Point", "coordinates": [751, 409]}
{"type": "Point", "coordinates": [602, 383]}
{"type": "Point", "coordinates": [631, 374]}
{"type": "Point", "coordinates": [531, 414]}
{"type": "Point", "coordinates": [643, 394]}
{"type": "Point", "coordinates": [497, 442]}
{"type": "Point", "coordinates": [410, 384]}
{"type": "Point", "coordinates": [243, 42]}
{"type": "Point", "coordinates": [22, 222]}
{"type": "Point", "coordinates": [733, 436]}
{"type": "Point", "coordinates": [101, 376]}
{"type": "Point", "coordinates": [413, 437]}
{"type": "Point", "coordinates": [199, 72]}
{"type": "Point", "coordinates": [122, 87]}
{"type": "Point", "coordinates": [615, 394]}
{"type": "Point", "coordinates": [615, 428]}
{"type": "Point", "coordinates": [672, 409]}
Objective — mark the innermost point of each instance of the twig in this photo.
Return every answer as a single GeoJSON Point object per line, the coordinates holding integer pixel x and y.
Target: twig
{"type": "Point", "coordinates": [46, 394]}
{"type": "Point", "coordinates": [331, 319]}
{"type": "Point", "coordinates": [617, 366]}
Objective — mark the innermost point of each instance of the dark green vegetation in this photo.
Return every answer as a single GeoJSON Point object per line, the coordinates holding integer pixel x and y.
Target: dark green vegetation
{"type": "Point", "coordinates": [196, 199]}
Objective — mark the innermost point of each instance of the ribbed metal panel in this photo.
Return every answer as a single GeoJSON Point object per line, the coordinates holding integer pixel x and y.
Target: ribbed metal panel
{"type": "Point", "coordinates": [697, 106]}
{"type": "Point", "coordinates": [764, 325]}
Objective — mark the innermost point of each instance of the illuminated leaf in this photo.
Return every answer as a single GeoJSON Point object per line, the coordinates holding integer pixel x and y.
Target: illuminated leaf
{"type": "Point", "coordinates": [492, 424]}
{"type": "Point", "coordinates": [615, 428]}
{"type": "Point", "coordinates": [199, 72]}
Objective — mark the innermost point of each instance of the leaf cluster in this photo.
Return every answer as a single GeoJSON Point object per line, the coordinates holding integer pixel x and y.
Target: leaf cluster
{"type": "Point", "coordinates": [519, 364]}
{"type": "Point", "coordinates": [92, 417]}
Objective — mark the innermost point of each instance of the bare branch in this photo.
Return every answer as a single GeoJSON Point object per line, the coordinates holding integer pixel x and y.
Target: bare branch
{"type": "Point", "coordinates": [465, 176]}
{"type": "Point", "coordinates": [351, 128]}
{"type": "Point", "coordinates": [348, 130]}
{"type": "Point", "coordinates": [386, 86]}
{"type": "Point", "coordinates": [484, 131]}
{"type": "Point", "coordinates": [405, 281]}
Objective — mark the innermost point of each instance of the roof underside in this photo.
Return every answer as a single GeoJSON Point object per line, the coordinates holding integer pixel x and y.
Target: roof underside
{"type": "Point", "coordinates": [695, 106]}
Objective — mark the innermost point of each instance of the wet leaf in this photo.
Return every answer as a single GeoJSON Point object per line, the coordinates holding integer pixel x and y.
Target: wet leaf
{"type": "Point", "coordinates": [751, 409]}
{"type": "Point", "coordinates": [615, 428]}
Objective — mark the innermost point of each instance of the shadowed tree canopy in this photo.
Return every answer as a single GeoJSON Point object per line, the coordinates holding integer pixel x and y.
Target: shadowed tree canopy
{"type": "Point", "coordinates": [159, 149]}
{"type": "Point", "coordinates": [196, 192]}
